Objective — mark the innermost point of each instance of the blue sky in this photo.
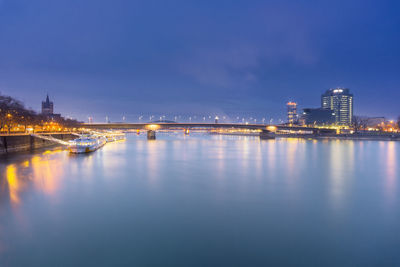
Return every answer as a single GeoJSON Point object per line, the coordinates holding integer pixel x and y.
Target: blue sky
{"type": "Point", "coordinates": [126, 58]}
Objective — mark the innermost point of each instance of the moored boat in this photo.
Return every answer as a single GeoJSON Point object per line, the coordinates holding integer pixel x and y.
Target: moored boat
{"type": "Point", "coordinates": [114, 136]}
{"type": "Point", "coordinates": [86, 143]}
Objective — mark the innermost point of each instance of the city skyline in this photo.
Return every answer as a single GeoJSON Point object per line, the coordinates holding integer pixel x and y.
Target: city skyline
{"type": "Point", "coordinates": [199, 133]}
{"type": "Point", "coordinates": [126, 59]}
{"type": "Point", "coordinates": [329, 101]}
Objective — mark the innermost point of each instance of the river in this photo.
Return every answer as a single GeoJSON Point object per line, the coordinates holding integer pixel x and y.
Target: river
{"type": "Point", "coordinates": [203, 200]}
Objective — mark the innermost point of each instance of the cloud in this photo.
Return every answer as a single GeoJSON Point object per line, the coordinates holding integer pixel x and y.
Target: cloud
{"type": "Point", "coordinates": [259, 40]}
{"type": "Point", "coordinates": [223, 67]}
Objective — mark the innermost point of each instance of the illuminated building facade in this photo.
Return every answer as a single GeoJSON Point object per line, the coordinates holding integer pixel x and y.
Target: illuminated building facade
{"type": "Point", "coordinates": [341, 102]}
{"type": "Point", "coordinates": [291, 112]}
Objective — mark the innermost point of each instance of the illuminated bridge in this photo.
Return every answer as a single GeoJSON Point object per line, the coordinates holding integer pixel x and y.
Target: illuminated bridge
{"type": "Point", "coordinates": [266, 131]}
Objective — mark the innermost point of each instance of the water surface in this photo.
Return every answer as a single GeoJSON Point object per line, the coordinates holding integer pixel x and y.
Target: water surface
{"type": "Point", "coordinates": [203, 200]}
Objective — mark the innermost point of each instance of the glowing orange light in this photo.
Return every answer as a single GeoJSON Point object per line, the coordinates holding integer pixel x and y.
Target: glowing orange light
{"type": "Point", "coordinates": [152, 127]}
{"type": "Point", "coordinates": [13, 184]}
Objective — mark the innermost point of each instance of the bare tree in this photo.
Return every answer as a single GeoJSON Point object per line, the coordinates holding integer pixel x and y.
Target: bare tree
{"type": "Point", "coordinates": [359, 123]}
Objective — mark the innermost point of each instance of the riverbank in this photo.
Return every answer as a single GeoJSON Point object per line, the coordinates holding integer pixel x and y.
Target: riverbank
{"type": "Point", "coordinates": [358, 136]}
{"type": "Point", "coordinates": [361, 137]}
{"type": "Point", "coordinates": [26, 142]}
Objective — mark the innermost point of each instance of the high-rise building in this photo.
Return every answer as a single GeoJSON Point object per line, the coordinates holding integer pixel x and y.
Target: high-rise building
{"type": "Point", "coordinates": [341, 102]}
{"type": "Point", "coordinates": [47, 107]}
{"type": "Point", "coordinates": [291, 112]}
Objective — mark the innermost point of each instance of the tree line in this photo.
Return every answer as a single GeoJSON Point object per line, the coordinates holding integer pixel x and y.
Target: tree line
{"type": "Point", "coordinates": [13, 113]}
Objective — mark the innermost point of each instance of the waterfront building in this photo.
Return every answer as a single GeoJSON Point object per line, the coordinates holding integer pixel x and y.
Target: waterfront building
{"type": "Point", "coordinates": [291, 112]}
{"type": "Point", "coordinates": [375, 121]}
{"type": "Point", "coordinates": [318, 116]}
{"type": "Point", "coordinates": [47, 107]}
{"type": "Point", "coordinates": [341, 102]}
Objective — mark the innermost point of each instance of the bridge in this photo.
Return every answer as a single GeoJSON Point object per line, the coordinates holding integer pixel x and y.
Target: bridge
{"type": "Point", "coordinates": [266, 131]}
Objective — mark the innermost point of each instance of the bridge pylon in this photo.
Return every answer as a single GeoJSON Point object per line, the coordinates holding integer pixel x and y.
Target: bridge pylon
{"type": "Point", "coordinates": [266, 135]}
{"type": "Point", "coordinates": [151, 135]}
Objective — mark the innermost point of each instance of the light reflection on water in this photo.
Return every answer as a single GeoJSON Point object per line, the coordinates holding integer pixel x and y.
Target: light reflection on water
{"type": "Point", "coordinates": [13, 184]}
{"type": "Point", "coordinates": [340, 172]}
{"type": "Point", "coordinates": [202, 200]}
{"type": "Point", "coordinates": [392, 172]}
{"type": "Point", "coordinates": [40, 173]}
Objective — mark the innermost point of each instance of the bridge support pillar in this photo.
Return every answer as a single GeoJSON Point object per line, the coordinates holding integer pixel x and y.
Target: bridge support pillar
{"type": "Point", "coordinates": [316, 132]}
{"type": "Point", "coordinates": [31, 142]}
{"type": "Point", "coordinates": [266, 135]}
{"type": "Point", "coordinates": [186, 131]}
{"type": "Point", "coordinates": [151, 135]}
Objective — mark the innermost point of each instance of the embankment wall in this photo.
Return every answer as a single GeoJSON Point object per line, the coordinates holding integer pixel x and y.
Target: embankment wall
{"type": "Point", "coordinates": [26, 142]}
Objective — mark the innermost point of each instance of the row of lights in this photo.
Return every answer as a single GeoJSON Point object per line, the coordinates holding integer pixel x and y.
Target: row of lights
{"type": "Point", "coordinates": [202, 118]}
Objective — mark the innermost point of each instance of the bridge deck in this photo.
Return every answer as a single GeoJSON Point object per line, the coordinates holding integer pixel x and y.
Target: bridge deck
{"type": "Point", "coordinates": [158, 126]}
